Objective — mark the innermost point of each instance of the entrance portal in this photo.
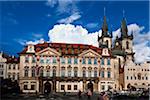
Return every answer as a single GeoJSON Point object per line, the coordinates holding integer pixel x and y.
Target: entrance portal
{"type": "Point", "coordinates": [90, 86]}
{"type": "Point", "coordinates": [47, 87]}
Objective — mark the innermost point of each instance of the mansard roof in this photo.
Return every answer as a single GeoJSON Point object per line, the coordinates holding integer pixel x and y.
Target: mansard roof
{"type": "Point", "coordinates": [65, 48]}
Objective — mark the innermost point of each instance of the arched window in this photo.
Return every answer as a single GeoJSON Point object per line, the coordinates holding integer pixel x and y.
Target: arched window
{"type": "Point", "coordinates": [102, 74]}
{"type": "Point", "coordinates": [41, 72]}
{"type": "Point", "coordinates": [14, 75]}
{"type": "Point", "coordinates": [89, 73]}
{"type": "Point", "coordinates": [63, 71]}
{"type": "Point", "coordinates": [127, 45]}
{"type": "Point", "coordinates": [108, 74]}
{"type": "Point", "coordinates": [75, 72]}
{"type": "Point", "coordinates": [54, 72]}
{"type": "Point", "coordinates": [84, 73]}
{"type": "Point", "coordinates": [26, 71]}
{"type": "Point", "coordinates": [107, 43]}
{"type": "Point", "coordinates": [33, 71]}
{"type": "Point", "coordinates": [95, 73]}
{"type": "Point", "coordinates": [69, 71]}
{"type": "Point", "coordinates": [139, 76]}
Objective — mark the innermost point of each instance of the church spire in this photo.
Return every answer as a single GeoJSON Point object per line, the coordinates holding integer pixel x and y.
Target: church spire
{"type": "Point", "coordinates": [124, 29]}
{"type": "Point", "coordinates": [104, 26]}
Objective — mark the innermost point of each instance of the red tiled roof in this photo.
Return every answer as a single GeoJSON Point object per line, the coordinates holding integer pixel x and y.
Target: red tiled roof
{"type": "Point", "coordinates": [65, 48]}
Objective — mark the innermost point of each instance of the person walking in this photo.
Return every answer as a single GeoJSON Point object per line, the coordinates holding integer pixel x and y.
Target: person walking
{"type": "Point", "coordinates": [89, 94]}
{"type": "Point", "coordinates": [79, 94]}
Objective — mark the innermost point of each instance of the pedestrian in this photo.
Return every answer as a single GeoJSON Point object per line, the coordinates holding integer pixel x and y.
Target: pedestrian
{"type": "Point", "coordinates": [64, 92]}
{"type": "Point", "coordinates": [100, 97]}
{"type": "Point", "coordinates": [105, 96]}
{"type": "Point", "coordinates": [89, 94]}
{"type": "Point", "coordinates": [79, 94]}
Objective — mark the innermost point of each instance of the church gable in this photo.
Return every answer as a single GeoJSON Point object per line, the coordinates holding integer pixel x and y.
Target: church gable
{"type": "Point", "coordinates": [89, 53]}
{"type": "Point", "coordinates": [48, 52]}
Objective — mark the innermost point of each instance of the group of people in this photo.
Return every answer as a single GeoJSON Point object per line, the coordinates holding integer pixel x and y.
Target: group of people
{"type": "Point", "coordinates": [102, 96]}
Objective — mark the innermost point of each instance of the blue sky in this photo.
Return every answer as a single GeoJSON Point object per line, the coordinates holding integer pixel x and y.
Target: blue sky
{"type": "Point", "coordinates": [31, 21]}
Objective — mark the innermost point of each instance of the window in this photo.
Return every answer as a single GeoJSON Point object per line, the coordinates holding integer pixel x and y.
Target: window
{"type": "Point", "coordinates": [95, 61]}
{"type": "Point", "coordinates": [103, 87]}
{"type": "Point", "coordinates": [25, 87]}
{"type": "Point", "coordinates": [83, 61]}
{"type": "Point", "coordinates": [108, 74]}
{"type": "Point", "coordinates": [102, 74]}
{"type": "Point", "coordinates": [69, 87]}
{"type": "Point", "coordinates": [146, 78]}
{"type": "Point", "coordinates": [139, 76]}
{"type": "Point", "coordinates": [75, 73]}
{"type": "Point", "coordinates": [75, 61]}
{"type": "Point", "coordinates": [32, 87]}
{"type": "Point", "coordinates": [69, 60]}
{"type": "Point", "coordinates": [63, 71]}
{"type": "Point", "coordinates": [127, 45]}
{"type": "Point", "coordinates": [1, 72]}
{"type": "Point", "coordinates": [54, 72]}
{"type": "Point", "coordinates": [54, 60]}
{"type": "Point", "coordinates": [89, 73]}
{"type": "Point", "coordinates": [9, 66]}
{"type": "Point", "coordinates": [33, 59]}
{"type": "Point", "coordinates": [108, 61]}
{"type": "Point", "coordinates": [131, 77]}
{"type": "Point", "coordinates": [33, 71]}
{"type": "Point", "coordinates": [26, 59]}
{"type": "Point", "coordinates": [102, 61]}
{"type": "Point", "coordinates": [107, 43]}
{"type": "Point", "coordinates": [47, 73]}
{"type": "Point", "coordinates": [69, 73]}
{"type": "Point", "coordinates": [62, 87]}
{"type": "Point", "coordinates": [127, 77]}
{"type": "Point", "coordinates": [14, 67]}
{"type": "Point", "coordinates": [41, 72]}
{"type": "Point", "coordinates": [135, 77]}
{"type": "Point", "coordinates": [13, 76]}
{"type": "Point", "coordinates": [26, 71]}
{"type": "Point", "coordinates": [41, 60]}
{"type": "Point", "coordinates": [95, 73]}
{"type": "Point", "coordinates": [63, 60]}
{"type": "Point", "coordinates": [89, 61]}
{"type": "Point", "coordinates": [84, 73]}
{"type": "Point", "coordinates": [75, 87]}
{"type": "Point", "coordinates": [48, 61]}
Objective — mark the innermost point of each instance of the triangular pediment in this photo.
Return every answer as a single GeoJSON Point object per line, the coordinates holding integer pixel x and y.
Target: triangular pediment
{"type": "Point", "coordinates": [89, 53]}
{"type": "Point", "coordinates": [48, 52]}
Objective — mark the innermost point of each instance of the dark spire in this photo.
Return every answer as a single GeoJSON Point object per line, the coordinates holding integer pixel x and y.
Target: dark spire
{"type": "Point", "coordinates": [124, 29]}
{"type": "Point", "coordinates": [104, 27]}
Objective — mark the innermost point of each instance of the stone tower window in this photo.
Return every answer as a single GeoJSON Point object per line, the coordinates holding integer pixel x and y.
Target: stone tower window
{"type": "Point", "coordinates": [127, 45]}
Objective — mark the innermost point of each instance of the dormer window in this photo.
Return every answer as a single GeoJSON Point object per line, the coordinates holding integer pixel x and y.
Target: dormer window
{"type": "Point", "coordinates": [83, 61]}
{"type": "Point", "coordinates": [89, 61]}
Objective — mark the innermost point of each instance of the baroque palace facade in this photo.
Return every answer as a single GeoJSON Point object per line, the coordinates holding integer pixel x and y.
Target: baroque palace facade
{"type": "Point", "coordinates": [58, 67]}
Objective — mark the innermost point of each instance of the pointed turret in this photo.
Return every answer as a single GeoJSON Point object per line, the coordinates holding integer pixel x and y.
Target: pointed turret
{"type": "Point", "coordinates": [104, 27]}
{"type": "Point", "coordinates": [124, 29]}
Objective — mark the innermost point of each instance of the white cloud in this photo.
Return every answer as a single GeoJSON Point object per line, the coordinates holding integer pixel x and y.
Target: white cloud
{"type": "Point", "coordinates": [63, 6]}
{"type": "Point", "coordinates": [92, 25]}
{"type": "Point", "coordinates": [68, 33]}
{"type": "Point", "coordinates": [70, 19]}
{"type": "Point", "coordinates": [35, 42]}
{"type": "Point", "coordinates": [77, 34]}
{"type": "Point", "coordinates": [37, 35]}
{"type": "Point", "coordinates": [72, 34]}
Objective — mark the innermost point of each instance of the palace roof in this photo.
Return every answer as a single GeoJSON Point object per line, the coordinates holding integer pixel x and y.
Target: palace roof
{"type": "Point", "coordinates": [65, 48]}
